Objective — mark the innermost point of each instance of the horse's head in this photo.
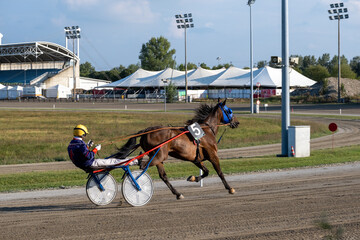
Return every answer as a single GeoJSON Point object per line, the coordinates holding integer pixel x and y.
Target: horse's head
{"type": "Point", "coordinates": [227, 115]}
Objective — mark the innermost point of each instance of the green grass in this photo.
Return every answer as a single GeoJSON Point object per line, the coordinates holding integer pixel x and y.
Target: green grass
{"type": "Point", "coordinates": [43, 136]}
{"type": "Point", "coordinates": [181, 170]}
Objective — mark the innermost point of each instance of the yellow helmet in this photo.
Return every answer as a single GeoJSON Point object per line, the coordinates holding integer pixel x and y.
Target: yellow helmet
{"type": "Point", "coordinates": [80, 130]}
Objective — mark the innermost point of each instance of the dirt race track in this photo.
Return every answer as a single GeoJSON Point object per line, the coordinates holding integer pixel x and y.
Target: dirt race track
{"type": "Point", "coordinates": [273, 205]}
{"type": "Point", "coordinates": [313, 203]}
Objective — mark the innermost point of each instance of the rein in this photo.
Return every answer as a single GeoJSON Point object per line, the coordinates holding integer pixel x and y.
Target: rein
{"type": "Point", "coordinates": [225, 111]}
{"type": "Point", "coordinates": [155, 130]}
{"type": "Point", "coordinates": [221, 136]}
{"type": "Point", "coordinates": [212, 128]}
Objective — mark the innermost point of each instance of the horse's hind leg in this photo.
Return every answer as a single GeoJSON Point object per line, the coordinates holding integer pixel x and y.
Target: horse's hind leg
{"type": "Point", "coordinates": [216, 164]}
{"type": "Point", "coordinates": [203, 168]}
{"type": "Point", "coordinates": [163, 176]}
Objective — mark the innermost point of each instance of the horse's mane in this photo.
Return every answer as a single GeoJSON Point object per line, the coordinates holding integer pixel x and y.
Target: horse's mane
{"type": "Point", "coordinates": [201, 113]}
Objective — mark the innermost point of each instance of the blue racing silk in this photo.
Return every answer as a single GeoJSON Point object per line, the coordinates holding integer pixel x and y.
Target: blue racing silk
{"type": "Point", "coordinates": [80, 154]}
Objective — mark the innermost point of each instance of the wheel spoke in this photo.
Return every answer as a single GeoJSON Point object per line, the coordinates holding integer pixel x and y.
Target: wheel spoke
{"type": "Point", "coordinates": [147, 194]}
{"type": "Point", "coordinates": [145, 182]}
{"type": "Point", "coordinates": [132, 195]}
{"type": "Point", "coordinates": [133, 190]}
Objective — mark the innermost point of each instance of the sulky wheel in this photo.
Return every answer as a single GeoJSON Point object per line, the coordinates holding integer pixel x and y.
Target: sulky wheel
{"type": "Point", "coordinates": [96, 195]}
{"type": "Point", "coordinates": [132, 195]}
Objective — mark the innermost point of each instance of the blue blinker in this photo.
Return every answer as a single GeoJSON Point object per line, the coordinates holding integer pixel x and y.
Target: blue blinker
{"type": "Point", "coordinates": [227, 114]}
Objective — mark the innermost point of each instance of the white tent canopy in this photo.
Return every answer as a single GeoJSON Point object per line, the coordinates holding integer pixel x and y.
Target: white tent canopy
{"type": "Point", "coordinates": [203, 77]}
{"type": "Point", "coordinates": [272, 77]}
{"type": "Point", "coordinates": [231, 77]}
{"type": "Point", "coordinates": [199, 77]}
{"type": "Point", "coordinates": [132, 79]}
{"type": "Point", "coordinates": [156, 80]}
{"type": "Point", "coordinates": [299, 80]}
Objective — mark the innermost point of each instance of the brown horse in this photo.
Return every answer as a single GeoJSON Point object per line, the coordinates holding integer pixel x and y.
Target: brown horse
{"type": "Point", "coordinates": [184, 147]}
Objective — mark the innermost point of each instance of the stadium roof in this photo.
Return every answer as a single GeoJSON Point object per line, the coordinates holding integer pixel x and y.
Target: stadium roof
{"type": "Point", "coordinates": [34, 52]}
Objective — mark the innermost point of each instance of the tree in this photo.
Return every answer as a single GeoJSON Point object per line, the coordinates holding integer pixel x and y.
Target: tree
{"type": "Point", "coordinates": [189, 66]}
{"type": "Point", "coordinates": [324, 60]}
{"type": "Point", "coordinates": [86, 69]}
{"type": "Point", "coordinates": [228, 65]}
{"type": "Point", "coordinates": [308, 61]}
{"type": "Point", "coordinates": [204, 66]}
{"type": "Point", "coordinates": [113, 74]}
{"type": "Point", "coordinates": [156, 55]}
{"type": "Point", "coordinates": [220, 66]}
{"type": "Point", "coordinates": [171, 93]}
{"type": "Point", "coordinates": [100, 75]}
{"type": "Point", "coordinates": [261, 64]}
{"type": "Point", "coordinates": [346, 71]}
{"type": "Point", "coordinates": [333, 65]}
{"type": "Point", "coordinates": [129, 70]}
{"type": "Point", "coordinates": [317, 72]}
{"type": "Point", "coordinates": [355, 65]}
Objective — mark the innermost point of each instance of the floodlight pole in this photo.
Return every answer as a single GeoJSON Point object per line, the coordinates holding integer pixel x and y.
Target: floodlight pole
{"type": "Point", "coordinates": [185, 21]}
{"type": "Point", "coordinates": [339, 63]}
{"type": "Point", "coordinates": [339, 13]}
{"type": "Point", "coordinates": [73, 33]}
{"type": "Point", "coordinates": [285, 94]}
{"type": "Point", "coordinates": [186, 81]}
{"type": "Point", "coordinates": [74, 77]}
{"type": "Point", "coordinates": [251, 62]}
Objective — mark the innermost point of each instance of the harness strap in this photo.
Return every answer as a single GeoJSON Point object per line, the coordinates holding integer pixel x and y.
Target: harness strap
{"type": "Point", "coordinates": [211, 128]}
{"type": "Point", "coordinates": [145, 153]}
{"type": "Point", "coordinates": [221, 136]}
{"type": "Point", "coordinates": [197, 142]}
{"type": "Point", "coordinates": [158, 146]}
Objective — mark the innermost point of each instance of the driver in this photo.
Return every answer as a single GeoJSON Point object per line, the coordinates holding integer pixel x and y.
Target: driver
{"type": "Point", "coordinates": [82, 157]}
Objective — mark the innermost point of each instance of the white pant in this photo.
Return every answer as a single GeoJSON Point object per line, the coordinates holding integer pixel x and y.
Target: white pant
{"type": "Point", "coordinates": [100, 163]}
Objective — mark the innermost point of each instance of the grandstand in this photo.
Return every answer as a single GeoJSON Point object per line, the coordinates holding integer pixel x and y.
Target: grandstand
{"type": "Point", "coordinates": [44, 65]}
{"type": "Point", "coordinates": [27, 76]}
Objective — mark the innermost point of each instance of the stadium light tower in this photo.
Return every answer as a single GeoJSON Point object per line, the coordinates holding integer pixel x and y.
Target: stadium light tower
{"type": "Point", "coordinates": [185, 21]}
{"type": "Point", "coordinates": [285, 81]}
{"type": "Point", "coordinates": [251, 62]}
{"type": "Point", "coordinates": [338, 12]}
{"type": "Point", "coordinates": [73, 33]}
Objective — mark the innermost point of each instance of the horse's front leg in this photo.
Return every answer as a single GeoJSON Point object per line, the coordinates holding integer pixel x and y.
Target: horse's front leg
{"type": "Point", "coordinates": [216, 164]}
{"type": "Point", "coordinates": [198, 178]}
{"type": "Point", "coordinates": [163, 176]}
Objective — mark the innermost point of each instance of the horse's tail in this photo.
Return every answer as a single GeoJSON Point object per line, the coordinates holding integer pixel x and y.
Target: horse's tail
{"type": "Point", "coordinates": [128, 148]}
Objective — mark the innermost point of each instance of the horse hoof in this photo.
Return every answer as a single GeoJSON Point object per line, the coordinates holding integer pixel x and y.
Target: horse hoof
{"type": "Point", "coordinates": [231, 191]}
{"type": "Point", "coordinates": [180, 197]}
{"type": "Point", "coordinates": [191, 179]}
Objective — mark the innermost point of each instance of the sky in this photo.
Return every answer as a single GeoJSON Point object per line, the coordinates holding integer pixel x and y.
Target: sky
{"type": "Point", "coordinates": [113, 31]}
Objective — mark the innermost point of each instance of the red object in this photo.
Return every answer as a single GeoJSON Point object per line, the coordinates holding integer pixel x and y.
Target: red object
{"type": "Point", "coordinates": [292, 151]}
{"type": "Point", "coordinates": [146, 153]}
{"type": "Point", "coordinates": [332, 127]}
{"type": "Point", "coordinates": [265, 93]}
